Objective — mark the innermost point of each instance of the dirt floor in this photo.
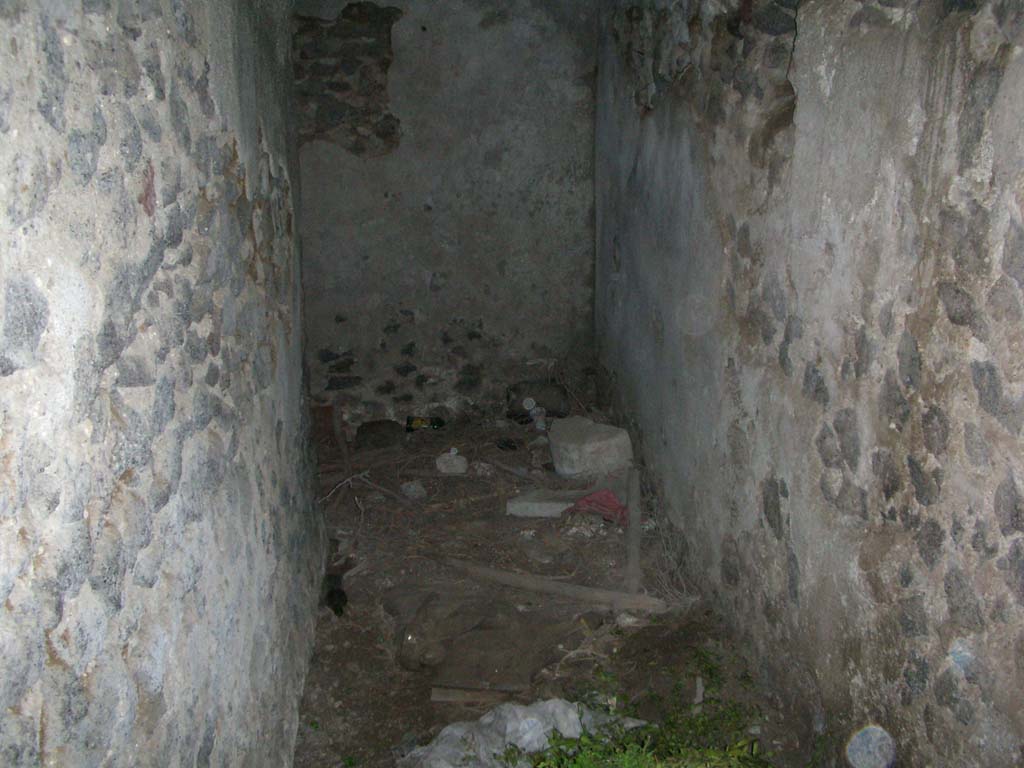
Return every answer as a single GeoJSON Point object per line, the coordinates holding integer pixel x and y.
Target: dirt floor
{"type": "Point", "coordinates": [417, 628]}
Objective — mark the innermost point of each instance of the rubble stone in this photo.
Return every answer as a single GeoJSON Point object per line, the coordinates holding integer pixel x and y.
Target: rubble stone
{"type": "Point", "coordinates": [541, 502]}
{"type": "Point", "coordinates": [581, 447]}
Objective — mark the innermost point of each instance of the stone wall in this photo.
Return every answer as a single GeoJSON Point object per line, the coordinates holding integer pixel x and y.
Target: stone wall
{"type": "Point", "coordinates": [159, 546]}
{"type": "Point", "coordinates": [447, 198]}
{"type": "Point", "coordinates": [810, 262]}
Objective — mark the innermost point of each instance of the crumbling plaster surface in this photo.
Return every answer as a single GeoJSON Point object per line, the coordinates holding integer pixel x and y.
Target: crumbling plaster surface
{"type": "Point", "coordinates": [159, 545]}
{"type": "Point", "coordinates": [437, 266]}
{"type": "Point", "coordinates": [809, 294]}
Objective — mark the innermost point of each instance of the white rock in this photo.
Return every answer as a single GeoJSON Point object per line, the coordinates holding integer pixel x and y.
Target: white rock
{"type": "Point", "coordinates": [451, 463]}
{"type": "Point", "coordinates": [629, 621]}
{"type": "Point", "coordinates": [581, 447]}
{"type": "Point", "coordinates": [698, 695]}
{"type": "Point", "coordinates": [481, 469]}
{"type": "Point", "coordinates": [541, 503]}
{"type": "Point", "coordinates": [414, 490]}
{"type": "Point", "coordinates": [482, 744]}
{"type": "Point", "coordinates": [871, 747]}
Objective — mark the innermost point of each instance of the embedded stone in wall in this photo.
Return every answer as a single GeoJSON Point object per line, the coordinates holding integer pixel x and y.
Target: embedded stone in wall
{"type": "Point", "coordinates": [893, 404]}
{"type": "Point", "coordinates": [341, 78]}
{"type": "Point", "coordinates": [160, 544]}
{"type": "Point", "coordinates": [440, 271]}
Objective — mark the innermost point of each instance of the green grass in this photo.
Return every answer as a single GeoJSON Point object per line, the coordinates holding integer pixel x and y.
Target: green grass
{"type": "Point", "coordinates": [712, 735]}
{"type": "Point", "coordinates": [707, 742]}
{"type": "Point", "coordinates": [707, 664]}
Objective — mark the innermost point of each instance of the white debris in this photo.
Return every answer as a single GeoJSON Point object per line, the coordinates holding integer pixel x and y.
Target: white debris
{"type": "Point", "coordinates": [581, 447]}
{"type": "Point", "coordinates": [451, 463]}
{"type": "Point", "coordinates": [629, 621]}
{"type": "Point", "coordinates": [541, 502]}
{"type": "Point", "coordinates": [414, 489]}
{"type": "Point", "coordinates": [483, 743]}
{"type": "Point", "coordinates": [481, 469]}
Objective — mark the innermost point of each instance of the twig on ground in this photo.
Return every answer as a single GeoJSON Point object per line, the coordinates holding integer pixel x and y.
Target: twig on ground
{"type": "Point", "coordinates": [579, 654]}
{"type": "Point", "coordinates": [346, 483]}
{"type": "Point", "coordinates": [363, 477]}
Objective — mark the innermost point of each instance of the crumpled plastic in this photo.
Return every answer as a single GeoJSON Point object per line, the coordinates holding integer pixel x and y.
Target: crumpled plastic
{"type": "Point", "coordinates": [604, 503]}
{"type": "Point", "coordinates": [483, 743]}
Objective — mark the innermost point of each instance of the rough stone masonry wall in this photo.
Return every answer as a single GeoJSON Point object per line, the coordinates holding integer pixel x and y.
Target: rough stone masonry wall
{"type": "Point", "coordinates": [447, 198]}
{"type": "Point", "coordinates": [810, 263]}
{"type": "Point", "coordinates": [159, 548]}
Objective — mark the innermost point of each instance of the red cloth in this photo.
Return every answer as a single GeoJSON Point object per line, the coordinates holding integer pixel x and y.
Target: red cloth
{"type": "Point", "coordinates": [604, 503]}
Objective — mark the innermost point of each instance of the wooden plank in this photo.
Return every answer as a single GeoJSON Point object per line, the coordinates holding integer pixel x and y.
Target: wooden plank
{"type": "Point", "coordinates": [620, 601]}
{"type": "Point", "coordinates": [440, 695]}
{"type": "Point", "coordinates": [428, 475]}
{"type": "Point", "coordinates": [634, 573]}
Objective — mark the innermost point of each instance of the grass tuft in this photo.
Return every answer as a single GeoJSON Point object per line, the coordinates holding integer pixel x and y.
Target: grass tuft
{"type": "Point", "coordinates": [713, 734]}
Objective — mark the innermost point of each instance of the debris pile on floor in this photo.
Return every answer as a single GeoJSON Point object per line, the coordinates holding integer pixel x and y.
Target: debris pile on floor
{"type": "Point", "coordinates": [491, 562]}
{"type": "Point", "coordinates": [475, 574]}
{"type": "Point", "coordinates": [485, 743]}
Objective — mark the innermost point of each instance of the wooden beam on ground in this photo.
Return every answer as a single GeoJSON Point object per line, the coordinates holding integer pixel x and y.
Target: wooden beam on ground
{"type": "Point", "coordinates": [634, 574]}
{"type": "Point", "coordinates": [467, 696]}
{"type": "Point", "coordinates": [619, 601]}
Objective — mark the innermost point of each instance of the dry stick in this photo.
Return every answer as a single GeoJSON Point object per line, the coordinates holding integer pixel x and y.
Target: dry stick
{"type": "Point", "coordinates": [633, 532]}
{"type": "Point", "coordinates": [362, 477]}
{"type": "Point", "coordinates": [346, 456]}
{"type": "Point", "coordinates": [346, 483]}
{"type": "Point", "coordinates": [621, 601]}
{"type": "Point", "coordinates": [563, 378]}
{"type": "Point", "coordinates": [461, 502]}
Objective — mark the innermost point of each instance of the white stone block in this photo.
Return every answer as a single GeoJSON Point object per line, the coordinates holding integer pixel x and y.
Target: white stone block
{"type": "Point", "coordinates": [581, 447]}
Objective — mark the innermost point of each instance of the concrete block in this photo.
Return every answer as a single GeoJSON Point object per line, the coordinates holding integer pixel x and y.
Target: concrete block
{"type": "Point", "coordinates": [581, 447]}
{"type": "Point", "coordinates": [542, 502]}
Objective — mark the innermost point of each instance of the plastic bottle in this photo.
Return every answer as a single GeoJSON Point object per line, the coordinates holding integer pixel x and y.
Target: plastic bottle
{"type": "Point", "coordinates": [537, 413]}
{"type": "Point", "coordinates": [413, 423]}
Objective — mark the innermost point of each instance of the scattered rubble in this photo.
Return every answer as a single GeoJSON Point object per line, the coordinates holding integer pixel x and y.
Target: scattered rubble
{"type": "Point", "coordinates": [460, 607]}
